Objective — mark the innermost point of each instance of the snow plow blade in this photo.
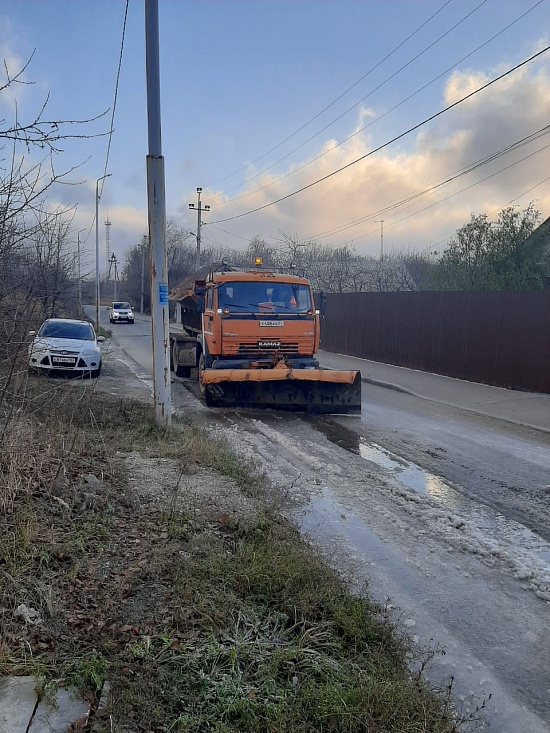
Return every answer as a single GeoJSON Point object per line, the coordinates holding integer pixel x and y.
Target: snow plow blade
{"type": "Point", "coordinates": [310, 390]}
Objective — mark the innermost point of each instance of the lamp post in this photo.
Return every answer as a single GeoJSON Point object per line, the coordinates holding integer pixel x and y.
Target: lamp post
{"type": "Point", "coordinates": [97, 293]}
{"type": "Point", "coordinates": [79, 287]}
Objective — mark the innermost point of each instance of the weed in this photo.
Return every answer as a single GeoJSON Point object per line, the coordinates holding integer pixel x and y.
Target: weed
{"type": "Point", "coordinates": [88, 672]}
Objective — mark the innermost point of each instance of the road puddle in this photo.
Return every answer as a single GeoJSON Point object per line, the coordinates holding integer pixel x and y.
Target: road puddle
{"type": "Point", "coordinates": [411, 475]}
{"type": "Point", "coordinates": [480, 528]}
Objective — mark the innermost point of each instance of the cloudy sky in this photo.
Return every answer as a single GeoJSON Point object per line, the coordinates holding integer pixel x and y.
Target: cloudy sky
{"type": "Point", "coordinates": [309, 117]}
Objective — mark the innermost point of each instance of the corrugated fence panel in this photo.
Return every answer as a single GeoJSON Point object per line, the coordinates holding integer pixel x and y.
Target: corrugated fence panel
{"type": "Point", "coordinates": [524, 346]}
{"type": "Point", "coordinates": [355, 336]}
{"type": "Point", "coordinates": [500, 338]}
{"type": "Point", "coordinates": [428, 338]}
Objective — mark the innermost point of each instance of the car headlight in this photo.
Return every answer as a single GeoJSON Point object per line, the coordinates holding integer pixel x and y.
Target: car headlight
{"type": "Point", "coordinates": [90, 352]}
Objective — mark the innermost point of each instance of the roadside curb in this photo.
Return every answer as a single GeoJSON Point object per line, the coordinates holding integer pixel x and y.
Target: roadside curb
{"type": "Point", "coordinates": [392, 386]}
{"type": "Point", "coordinates": [398, 388]}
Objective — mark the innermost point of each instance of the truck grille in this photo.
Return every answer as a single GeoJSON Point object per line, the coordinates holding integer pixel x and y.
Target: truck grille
{"type": "Point", "coordinates": [269, 346]}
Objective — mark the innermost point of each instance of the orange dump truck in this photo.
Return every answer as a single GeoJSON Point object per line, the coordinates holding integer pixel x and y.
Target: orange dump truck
{"type": "Point", "coordinates": [250, 338]}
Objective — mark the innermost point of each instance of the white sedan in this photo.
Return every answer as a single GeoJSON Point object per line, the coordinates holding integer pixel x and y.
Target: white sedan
{"type": "Point", "coordinates": [66, 344]}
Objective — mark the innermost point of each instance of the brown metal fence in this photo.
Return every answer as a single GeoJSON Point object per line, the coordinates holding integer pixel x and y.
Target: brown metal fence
{"type": "Point", "coordinates": [499, 338]}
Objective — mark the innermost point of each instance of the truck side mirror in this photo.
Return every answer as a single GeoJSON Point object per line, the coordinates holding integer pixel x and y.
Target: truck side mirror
{"type": "Point", "coordinates": [199, 294]}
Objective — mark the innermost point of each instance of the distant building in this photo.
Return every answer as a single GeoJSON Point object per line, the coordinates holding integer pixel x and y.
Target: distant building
{"type": "Point", "coordinates": [542, 232]}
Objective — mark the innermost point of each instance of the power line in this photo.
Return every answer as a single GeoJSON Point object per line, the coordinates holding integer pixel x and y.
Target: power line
{"type": "Point", "coordinates": [389, 142]}
{"type": "Point", "coordinates": [111, 130]}
{"type": "Point", "coordinates": [504, 151]}
{"type": "Point", "coordinates": [116, 91]}
{"type": "Point", "coordinates": [466, 188]}
{"type": "Point", "coordinates": [495, 211]}
{"type": "Point", "coordinates": [343, 94]}
{"type": "Point", "coordinates": [231, 234]}
{"type": "Point", "coordinates": [389, 78]}
{"type": "Point", "coordinates": [378, 119]}
{"type": "Point", "coordinates": [436, 184]}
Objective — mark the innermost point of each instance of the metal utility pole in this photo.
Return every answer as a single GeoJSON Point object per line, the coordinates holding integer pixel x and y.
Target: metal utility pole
{"type": "Point", "coordinates": [97, 293]}
{"type": "Point", "coordinates": [157, 225]}
{"type": "Point", "coordinates": [199, 223]}
{"type": "Point", "coordinates": [381, 222]}
{"type": "Point", "coordinates": [79, 288]}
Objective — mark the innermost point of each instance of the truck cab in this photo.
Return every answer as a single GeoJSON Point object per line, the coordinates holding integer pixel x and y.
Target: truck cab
{"type": "Point", "coordinates": [254, 320]}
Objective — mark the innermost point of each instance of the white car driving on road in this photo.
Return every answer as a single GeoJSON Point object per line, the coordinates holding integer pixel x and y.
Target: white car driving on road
{"type": "Point", "coordinates": [66, 344]}
{"type": "Point", "coordinates": [121, 311]}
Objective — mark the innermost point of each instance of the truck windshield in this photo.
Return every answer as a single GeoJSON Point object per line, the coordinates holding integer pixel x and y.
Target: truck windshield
{"type": "Point", "coordinates": [268, 297]}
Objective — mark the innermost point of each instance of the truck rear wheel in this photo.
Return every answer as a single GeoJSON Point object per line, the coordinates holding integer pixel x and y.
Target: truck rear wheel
{"type": "Point", "coordinates": [181, 371]}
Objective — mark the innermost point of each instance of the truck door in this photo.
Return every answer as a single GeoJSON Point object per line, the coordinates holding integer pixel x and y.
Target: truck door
{"type": "Point", "coordinates": [208, 323]}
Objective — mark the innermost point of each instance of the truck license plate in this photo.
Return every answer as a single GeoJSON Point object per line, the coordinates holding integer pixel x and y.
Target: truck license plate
{"type": "Point", "coordinates": [272, 323]}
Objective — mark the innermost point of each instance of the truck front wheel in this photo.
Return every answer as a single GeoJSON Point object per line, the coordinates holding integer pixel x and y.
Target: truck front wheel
{"type": "Point", "coordinates": [203, 389]}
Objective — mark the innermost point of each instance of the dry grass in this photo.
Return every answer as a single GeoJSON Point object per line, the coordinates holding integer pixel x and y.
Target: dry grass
{"type": "Point", "coordinates": [199, 623]}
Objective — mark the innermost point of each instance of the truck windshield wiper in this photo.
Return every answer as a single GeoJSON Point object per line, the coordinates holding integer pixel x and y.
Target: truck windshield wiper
{"type": "Point", "coordinates": [235, 305]}
{"type": "Point", "coordinates": [274, 309]}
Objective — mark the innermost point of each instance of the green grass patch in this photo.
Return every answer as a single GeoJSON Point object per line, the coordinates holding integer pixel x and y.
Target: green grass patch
{"type": "Point", "coordinates": [268, 638]}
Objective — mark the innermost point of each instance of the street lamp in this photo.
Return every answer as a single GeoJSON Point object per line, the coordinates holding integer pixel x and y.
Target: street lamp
{"type": "Point", "coordinates": [79, 288]}
{"type": "Point", "coordinates": [97, 293]}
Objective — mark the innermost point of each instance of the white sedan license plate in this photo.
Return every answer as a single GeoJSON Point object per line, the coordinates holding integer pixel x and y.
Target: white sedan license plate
{"type": "Point", "coordinates": [63, 360]}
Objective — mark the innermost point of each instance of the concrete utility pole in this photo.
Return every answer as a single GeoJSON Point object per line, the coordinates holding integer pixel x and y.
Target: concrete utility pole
{"type": "Point", "coordinates": [157, 225]}
{"type": "Point", "coordinates": [381, 222]}
{"type": "Point", "coordinates": [199, 223]}
{"type": "Point", "coordinates": [107, 240]}
{"type": "Point", "coordinates": [97, 276]}
{"type": "Point", "coordinates": [113, 262]}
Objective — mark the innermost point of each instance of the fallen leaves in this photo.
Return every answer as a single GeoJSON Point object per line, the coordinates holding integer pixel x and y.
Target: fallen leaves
{"type": "Point", "coordinates": [127, 628]}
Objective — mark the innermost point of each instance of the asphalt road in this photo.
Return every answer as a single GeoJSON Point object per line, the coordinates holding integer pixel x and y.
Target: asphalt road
{"type": "Point", "coordinates": [445, 512]}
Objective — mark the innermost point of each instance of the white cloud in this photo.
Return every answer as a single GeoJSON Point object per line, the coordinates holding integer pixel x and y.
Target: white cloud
{"type": "Point", "coordinates": [497, 117]}
{"type": "Point", "coordinates": [12, 64]}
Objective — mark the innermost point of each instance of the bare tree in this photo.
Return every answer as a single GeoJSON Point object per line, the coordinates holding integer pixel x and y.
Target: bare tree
{"type": "Point", "coordinates": [181, 262]}
{"type": "Point", "coordinates": [36, 265]}
{"type": "Point", "coordinates": [40, 131]}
